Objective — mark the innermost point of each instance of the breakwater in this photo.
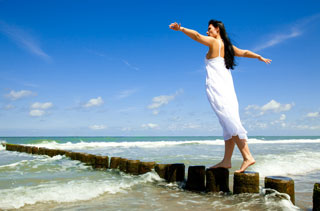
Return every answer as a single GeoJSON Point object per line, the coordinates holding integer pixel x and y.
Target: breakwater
{"type": "Point", "coordinates": [197, 175]}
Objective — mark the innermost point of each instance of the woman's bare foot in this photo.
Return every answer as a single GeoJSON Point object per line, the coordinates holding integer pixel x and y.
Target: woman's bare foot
{"type": "Point", "coordinates": [222, 164]}
{"type": "Point", "coordinates": [245, 165]}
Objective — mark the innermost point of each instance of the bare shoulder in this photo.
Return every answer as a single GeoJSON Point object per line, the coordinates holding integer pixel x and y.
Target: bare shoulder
{"type": "Point", "coordinates": [206, 40]}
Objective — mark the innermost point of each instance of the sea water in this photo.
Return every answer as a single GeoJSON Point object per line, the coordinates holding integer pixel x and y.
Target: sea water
{"type": "Point", "coordinates": [40, 182]}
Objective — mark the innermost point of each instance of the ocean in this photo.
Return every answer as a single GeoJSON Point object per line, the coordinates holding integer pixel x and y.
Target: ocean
{"type": "Point", "coordinates": [39, 182]}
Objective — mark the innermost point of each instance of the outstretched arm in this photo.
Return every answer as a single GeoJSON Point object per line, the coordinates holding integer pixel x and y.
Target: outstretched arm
{"type": "Point", "coordinates": [205, 40]}
{"type": "Point", "coordinates": [249, 54]}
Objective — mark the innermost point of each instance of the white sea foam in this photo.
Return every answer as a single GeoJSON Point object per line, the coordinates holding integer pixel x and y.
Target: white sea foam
{"type": "Point", "coordinates": [152, 144]}
{"type": "Point", "coordinates": [142, 144]}
{"type": "Point", "coordinates": [285, 202]}
{"type": "Point", "coordinates": [71, 191]}
{"type": "Point", "coordinates": [42, 162]}
{"type": "Point", "coordinates": [297, 163]}
{"type": "Point", "coordinates": [284, 141]}
{"type": "Point", "coordinates": [13, 165]}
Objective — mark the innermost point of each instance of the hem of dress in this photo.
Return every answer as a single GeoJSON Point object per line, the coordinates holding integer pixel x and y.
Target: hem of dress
{"type": "Point", "coordinates": [241, 136]}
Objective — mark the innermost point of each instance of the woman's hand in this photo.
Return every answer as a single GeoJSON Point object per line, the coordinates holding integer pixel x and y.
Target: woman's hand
{"type": "Point", "coordinates": [267, 61]}
{"type": "Point", "coordinates": [175, 26]}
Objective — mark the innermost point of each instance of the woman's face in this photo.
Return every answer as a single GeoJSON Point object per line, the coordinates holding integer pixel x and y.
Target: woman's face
{"type": "Point", "coordinates": [212, 31]}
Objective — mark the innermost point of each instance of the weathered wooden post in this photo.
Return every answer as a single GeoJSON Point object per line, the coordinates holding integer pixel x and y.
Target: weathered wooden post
{"type": "Point", "coordinates": [196, 178]}
{"type": "Point", "coordinates": [40, 152]}
{"type": "Point", "coordinates": [176, 172]}
{"type": "Point", "coordinates": [133, 167]}
{"type": "Point", "coordinates": [217, 179]}
{"type": "Point", "coordinates": [23, 148]}
{"type": "Point", "coordinates": [91, 159]}
{"type": "Point", "coordinates": [9, 147]}
{"type": "Point", "coordinates": [123, 164]}
{"type": "Point", "coordinates": [114, 163]}
{"type": "Point", "coordinates": [281, 184]}
{"type": "Point", "coordinates": [29, 149]}
{"type": "Point", "coordinates": [61, 152]}
{"type": "Point", "coordinates": [316, 197]}
{"type": "Point", "coordinates": [73, 155]}
{"type": "Point", "coordinates": [145, 167]}
{"type": "Point", "coordinates": [101, 161]}
{"type": "Point", "coordinates": [35, 150]}
{"type": "Point", "coordinates": [19, 148]}
{"type": "Point", "coordinates": [246, 182]}
{"type": "Point", "coordinates": [49, 152]}
{"type": "Point", "coordinates": [162, 170]}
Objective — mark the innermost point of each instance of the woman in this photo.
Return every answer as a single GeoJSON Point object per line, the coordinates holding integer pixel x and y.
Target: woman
{"type": "Point", "coordinates": [220, 89]}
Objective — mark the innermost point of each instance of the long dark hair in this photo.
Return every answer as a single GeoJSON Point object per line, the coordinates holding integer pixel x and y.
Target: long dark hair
{"type": "Point", "coordinates": [228, 47]}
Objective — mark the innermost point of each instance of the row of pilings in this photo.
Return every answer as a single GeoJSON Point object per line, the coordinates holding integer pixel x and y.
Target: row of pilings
{"type": "Point", "coordinates": [199, 178]}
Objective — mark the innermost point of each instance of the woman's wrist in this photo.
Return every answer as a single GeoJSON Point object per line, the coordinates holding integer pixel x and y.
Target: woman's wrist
{"type": "Point", "coordinates": [181, 28]}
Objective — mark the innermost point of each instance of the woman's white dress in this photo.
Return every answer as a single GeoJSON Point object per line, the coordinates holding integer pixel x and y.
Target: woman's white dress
{"type": "Point", "coordinates": [222, 97]}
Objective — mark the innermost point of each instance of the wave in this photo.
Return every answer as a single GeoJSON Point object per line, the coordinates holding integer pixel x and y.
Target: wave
{"type": "Point", "coordinates": [71, 191]}
{"type": "Point", "coordinates": [152, 144]}
{"type": "Point", "coordinates": [297, 163]}
{"type": "Point", "coordinates": [33, 161]}
{"type": "Point", "coordinates": [39, 141]}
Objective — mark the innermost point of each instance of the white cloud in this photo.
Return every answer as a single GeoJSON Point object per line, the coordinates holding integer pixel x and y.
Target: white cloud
{"type": "Point", "coordinates": [97, 127]}
{"type": "Point", "coordinates": [36, 113]}
{"type": "Point", "coordinates": [162, 100]}
{"type": "Point", "coordinates": [295, 30]}
{"type": "Point", "coordinates": [276, 107]}
{"type": "Point", "coordinates": [278, 38]}
{"type": "Point", "coordinates": [38, 109]}
{"type": "Point", "coordinates": [280, 120]}
{"type": "Point", "coordinates": [126, 93]}
{"type": "Point", "coordinates": [150, 126]}
{"type": "Point", "coordinates": [43, 106]}
{"type": "Point", "coordinates": [15, 95]}
{"type": "Point", "coordinates": [23, 39]}
{"type": "Point", "coordinates": [272, 106]}
{"type": "Point", "coordinates": [94, 102]}
{"type": "Point", "coordinates": [282, 117]}
{"type": "Point", "coordinates": [313, 114]}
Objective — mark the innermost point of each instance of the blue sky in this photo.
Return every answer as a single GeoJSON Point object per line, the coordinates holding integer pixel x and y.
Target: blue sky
{"type": "Point", "coordinates": [115, 68]}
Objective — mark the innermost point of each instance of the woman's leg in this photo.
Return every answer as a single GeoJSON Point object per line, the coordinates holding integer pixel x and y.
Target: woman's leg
{"type": "Point", "coordinates": [228, 150]}
{"type": "Point", "coordinates": [248, 160]}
